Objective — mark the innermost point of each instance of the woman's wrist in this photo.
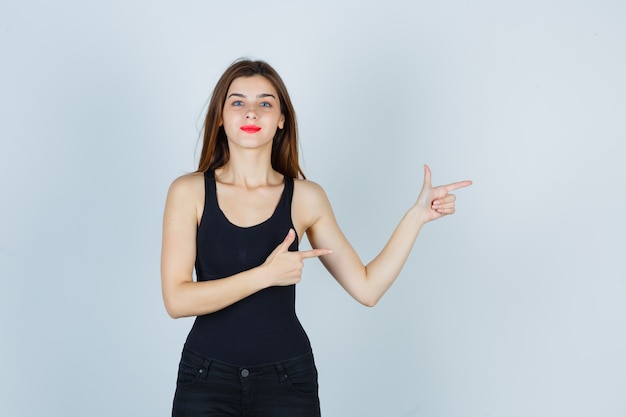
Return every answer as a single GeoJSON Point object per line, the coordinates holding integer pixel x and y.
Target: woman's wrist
{"type": "Point", "coordinates": [418, 214]}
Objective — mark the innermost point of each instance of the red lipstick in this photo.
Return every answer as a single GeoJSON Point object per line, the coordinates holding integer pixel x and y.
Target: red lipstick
{"type": "Point", "coordinates": [250, 128]}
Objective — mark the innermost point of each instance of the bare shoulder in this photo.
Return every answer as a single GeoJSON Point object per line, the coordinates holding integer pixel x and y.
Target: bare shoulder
{"type": "Point", "coordinates": [188, 183]}
{"type": "Point", "coordinates": [187, 189]}
{"type": "Point", "coordinates": [309, 192]}
{"type": "Point", "coordinates": [310, 203]}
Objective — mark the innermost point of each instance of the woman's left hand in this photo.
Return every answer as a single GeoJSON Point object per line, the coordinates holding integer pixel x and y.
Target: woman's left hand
{"type": "Point", "coordinates": [436, 202]}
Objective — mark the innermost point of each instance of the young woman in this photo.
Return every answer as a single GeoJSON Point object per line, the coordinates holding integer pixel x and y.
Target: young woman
{"type": "Point", "coordinates": [238, 220]}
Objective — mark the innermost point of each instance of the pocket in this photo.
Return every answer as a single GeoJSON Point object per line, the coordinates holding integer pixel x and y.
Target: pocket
{"type": "Point", "coordinates": [192, 368]}
{"type": "Point", "coordinates": [302, 377]}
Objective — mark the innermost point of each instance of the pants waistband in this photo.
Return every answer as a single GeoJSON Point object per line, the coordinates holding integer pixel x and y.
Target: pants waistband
{"type": "Point", "coordinates": [253, 371]}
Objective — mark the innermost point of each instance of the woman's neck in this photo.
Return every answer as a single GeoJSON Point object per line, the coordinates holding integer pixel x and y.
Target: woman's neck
{"type": "Point", "coordinates": [248, 169]}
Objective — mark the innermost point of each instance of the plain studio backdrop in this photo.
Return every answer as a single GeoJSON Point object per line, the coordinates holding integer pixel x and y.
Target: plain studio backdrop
{"type": "Point", "coordinates": [512, 307]}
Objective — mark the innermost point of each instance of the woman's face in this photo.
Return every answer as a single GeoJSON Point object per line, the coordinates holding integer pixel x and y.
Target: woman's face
{"type": "Point", "coordinates": [251, 112]}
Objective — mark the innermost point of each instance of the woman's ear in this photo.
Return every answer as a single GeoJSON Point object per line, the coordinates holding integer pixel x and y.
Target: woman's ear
{"type": "Point", "coordinates": [281, 121]}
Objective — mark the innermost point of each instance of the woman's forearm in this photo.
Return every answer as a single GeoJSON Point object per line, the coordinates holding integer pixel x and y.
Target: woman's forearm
{"type": "Point", "coordinates": [188, 298]}
{"type": "Point", "coordinates": [383, 270]}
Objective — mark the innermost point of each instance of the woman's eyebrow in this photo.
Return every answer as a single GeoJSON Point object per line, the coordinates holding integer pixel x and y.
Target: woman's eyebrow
{"type": "Point", "coordinates": [258, 96]}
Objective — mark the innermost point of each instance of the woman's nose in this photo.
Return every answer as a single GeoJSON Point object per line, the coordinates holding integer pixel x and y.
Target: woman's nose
{"type": "Point", "coordinates": [251, 114]}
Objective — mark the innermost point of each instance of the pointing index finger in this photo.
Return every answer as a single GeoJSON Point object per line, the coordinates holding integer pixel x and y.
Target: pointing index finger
{"type": "Point", "coordinates": [456, 185]}
{"type": "Point", "coordinates": [314, 253]}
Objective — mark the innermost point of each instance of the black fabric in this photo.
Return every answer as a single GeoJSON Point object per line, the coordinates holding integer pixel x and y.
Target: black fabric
{"type": "Point", "coordinates": [206, 387]}
{"type": "Point", "coordinates": [262, 328]}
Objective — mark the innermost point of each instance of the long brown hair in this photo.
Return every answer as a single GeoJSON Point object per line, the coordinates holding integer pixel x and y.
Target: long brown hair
{"type": "Point", "coordinates": [215, 153]}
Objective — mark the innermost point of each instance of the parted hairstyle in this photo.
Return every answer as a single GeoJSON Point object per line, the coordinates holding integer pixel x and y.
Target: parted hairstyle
{"type": "Point", "coordinates": [215, 152]}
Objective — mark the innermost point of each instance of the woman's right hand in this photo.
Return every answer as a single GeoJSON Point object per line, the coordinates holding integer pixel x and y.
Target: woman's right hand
{"type": "Point", "coordinates": [285, 267]}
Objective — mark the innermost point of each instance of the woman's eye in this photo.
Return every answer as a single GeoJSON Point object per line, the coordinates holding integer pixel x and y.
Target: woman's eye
{"type": "Point", "coordinates": [265, 104]}
{"type": "Point", "coordinates": [238, 103]}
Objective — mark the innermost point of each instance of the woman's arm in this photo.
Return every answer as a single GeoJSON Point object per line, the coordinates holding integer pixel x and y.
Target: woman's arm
{"type": "Point", "coordinates": [182, 296]}
{"type": "Point", "coordinates": [368, 283]}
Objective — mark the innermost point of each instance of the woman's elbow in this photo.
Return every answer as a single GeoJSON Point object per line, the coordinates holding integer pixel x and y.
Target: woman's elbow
{"type": "Point", "coordinates": [173, 309]}
{"type": "Point", "coordinates": [368, 300]}
{"type": "Point", "coordinates": [176, 304]}
{"type": "Point", "coordinates": [172, 312]}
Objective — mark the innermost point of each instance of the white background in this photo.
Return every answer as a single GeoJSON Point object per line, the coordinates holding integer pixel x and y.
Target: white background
{"type": "Point", "coordinates": [512, 307]}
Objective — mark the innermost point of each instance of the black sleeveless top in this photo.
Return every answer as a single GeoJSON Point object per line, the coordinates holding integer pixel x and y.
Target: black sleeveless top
{"type": "Point", "coordinates": [263, 327]}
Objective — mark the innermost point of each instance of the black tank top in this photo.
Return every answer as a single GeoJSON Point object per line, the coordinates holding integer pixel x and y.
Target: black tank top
{"type": "Point", "coordinates": [263, 327]}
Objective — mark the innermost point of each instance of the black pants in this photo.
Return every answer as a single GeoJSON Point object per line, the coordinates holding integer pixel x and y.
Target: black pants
{"type": "Point", "coordinates": [210, 388]}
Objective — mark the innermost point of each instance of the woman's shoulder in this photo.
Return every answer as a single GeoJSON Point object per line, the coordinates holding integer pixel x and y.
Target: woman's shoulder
{"type": "Point", "coordinates": [189, 179]}
{"type": "Point", "coordinates": [308, 188]}
{"type": "Point", "coordinates": [188, 185]}
{"type": "Point", "coordinates": [310, 203]}
{"type": "Point", "coordinates": [309, 193]}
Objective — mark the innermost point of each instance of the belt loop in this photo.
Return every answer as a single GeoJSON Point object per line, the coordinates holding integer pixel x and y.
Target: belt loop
{"type": "Point", "coordinates": [282, 375]}
{"type": "Point", "coordinates": [203, 372]}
